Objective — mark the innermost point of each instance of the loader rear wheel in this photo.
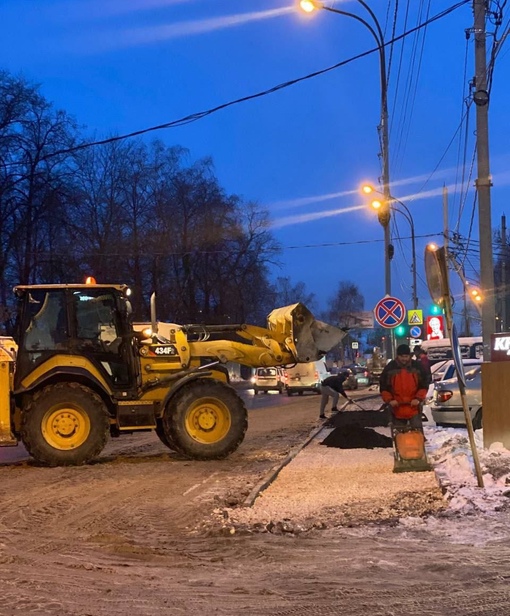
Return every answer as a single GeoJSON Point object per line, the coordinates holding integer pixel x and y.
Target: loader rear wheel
{"type": "Point", "coordinates": [206, 420]}
{"type": "Point", "coordinates": [65, 424]}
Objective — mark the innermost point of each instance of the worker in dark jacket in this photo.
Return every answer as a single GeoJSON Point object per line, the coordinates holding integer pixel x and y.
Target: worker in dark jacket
{"type": "Point", "coordinates": [423, 359]}
{"type": "Point", "coordinates": [332, 387]}
{"type": "Point", "coordinates": [403, 385]}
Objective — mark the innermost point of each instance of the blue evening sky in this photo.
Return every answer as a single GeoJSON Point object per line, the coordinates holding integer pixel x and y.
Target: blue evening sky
{"type": "Point", "coordinates": [302, 152]}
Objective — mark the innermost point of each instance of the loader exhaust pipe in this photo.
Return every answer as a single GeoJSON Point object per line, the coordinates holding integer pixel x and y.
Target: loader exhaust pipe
{"type": "Point", "coordinates": [154, 322]}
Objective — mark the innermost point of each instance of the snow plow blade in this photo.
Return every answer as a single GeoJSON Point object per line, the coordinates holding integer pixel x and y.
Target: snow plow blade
{"type": "Point", "coordinates": [305, 337]}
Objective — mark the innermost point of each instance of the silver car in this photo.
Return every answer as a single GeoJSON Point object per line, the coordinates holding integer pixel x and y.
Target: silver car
{"type": "Point", "coordinates": [446, 405]}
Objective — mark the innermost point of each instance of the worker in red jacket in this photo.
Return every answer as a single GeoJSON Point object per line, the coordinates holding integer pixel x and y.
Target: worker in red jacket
{"type": "Point", "coordinates": [403, 385]}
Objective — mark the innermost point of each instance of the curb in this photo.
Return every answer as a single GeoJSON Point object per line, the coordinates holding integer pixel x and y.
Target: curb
{"type": "Point", "coordinates": [273, 474]}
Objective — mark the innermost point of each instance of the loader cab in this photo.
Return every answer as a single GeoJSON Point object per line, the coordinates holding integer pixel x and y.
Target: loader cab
{"type": "Point", "coordinates": [84, 321]}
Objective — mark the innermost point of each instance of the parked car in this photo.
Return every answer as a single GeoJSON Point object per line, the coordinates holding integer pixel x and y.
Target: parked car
{"type": "Point", "coordinates": [446, 405]}
{"type": "Point", "coordinates": [438, 370]}
{"type": "Point", "coordinates": [361, 374]}
{"type": "Point", "coordinates": [268, 379]}
{"type": "Point", "coordinates": [447, 370]}
{"type": "Point", "coordinates": [305, 377]}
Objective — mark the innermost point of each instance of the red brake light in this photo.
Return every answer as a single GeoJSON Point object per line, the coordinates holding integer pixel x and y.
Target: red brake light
{"type": "Point", "coordinates": [316, 375]}
{"type": "Point", "coordinates": [443, 395]}
{"type": "Point", "coordinates": [366, 372]}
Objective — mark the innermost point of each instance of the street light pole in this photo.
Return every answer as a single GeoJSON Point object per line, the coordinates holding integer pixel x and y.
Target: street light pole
{"type": "Point", "coordinates": [407, 215]}
{"type": "Point", "coordinates": [483, 182]}
{"type": "Point", "coordinates": [406, 212]}
{"type": "Point", "coordinates": [384, 214]}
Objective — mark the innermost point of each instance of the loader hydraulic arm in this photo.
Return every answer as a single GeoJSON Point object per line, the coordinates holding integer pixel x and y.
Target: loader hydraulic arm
{"type": "Point", "coordinates": [292, 336]}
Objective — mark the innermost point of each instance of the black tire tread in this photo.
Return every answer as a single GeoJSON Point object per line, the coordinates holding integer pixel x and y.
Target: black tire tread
{"type": "Point", "coordinates": [174, 427]}
{"type": "Point", "coordinates": [37, 447]}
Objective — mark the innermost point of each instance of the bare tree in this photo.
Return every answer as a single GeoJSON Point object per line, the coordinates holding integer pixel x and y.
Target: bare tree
{"type": "Point", "coordinates": [286, 293]}
{"type": "Point", "coordinates": [346, 299]}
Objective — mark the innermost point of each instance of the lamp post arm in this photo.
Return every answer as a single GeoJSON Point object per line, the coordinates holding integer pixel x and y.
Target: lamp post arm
{"type": "Point", "coordinates": [379, 41]}
{"type": "Point", "coordinates": [407, 215]}
{"type": "Point", "coordinates": [375, 20]}
{"type": "Point", "coordinates": [403, 205]}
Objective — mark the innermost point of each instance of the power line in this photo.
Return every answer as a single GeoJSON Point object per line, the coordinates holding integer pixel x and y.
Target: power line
{"type": "Point", "coordinates": [358, 242]}
{"type": "Point", "coordinates": [156, 253]}
{"type": "Point", "coordinates": [201, 114]}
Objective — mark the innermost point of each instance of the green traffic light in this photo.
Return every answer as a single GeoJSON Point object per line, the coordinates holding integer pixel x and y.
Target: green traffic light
{"type": "Point", "coordinates": [400, 331]}
{"type": "Point", "coordinates": [435, 309]}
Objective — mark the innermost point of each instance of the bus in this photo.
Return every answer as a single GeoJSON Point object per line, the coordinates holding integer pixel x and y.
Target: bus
{"type": "Point", "coordinates": [439, 350]}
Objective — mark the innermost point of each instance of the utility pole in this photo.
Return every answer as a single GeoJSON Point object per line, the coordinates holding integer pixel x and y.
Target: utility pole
{"type": "Point", "coordinates": [445, 221]}
{"type": "Point", "coordinates": [502, 314]}
{"type": "Point", "coordinates": [501, 300]}
{"type": "Point", "coordinates": [483, 182]}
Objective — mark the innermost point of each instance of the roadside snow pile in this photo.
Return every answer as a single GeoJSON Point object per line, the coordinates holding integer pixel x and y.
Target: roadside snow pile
{"type": "Point", "coordinates": [450, 453]}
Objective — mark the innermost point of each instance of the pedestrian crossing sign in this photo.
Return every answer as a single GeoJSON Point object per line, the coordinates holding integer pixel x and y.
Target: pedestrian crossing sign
{"type": "Point", "coordinates": [415, 317]}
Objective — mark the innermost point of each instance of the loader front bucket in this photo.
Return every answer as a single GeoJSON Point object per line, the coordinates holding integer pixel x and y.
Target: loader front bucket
{"type": "Point", "coordinates": [306, 338]}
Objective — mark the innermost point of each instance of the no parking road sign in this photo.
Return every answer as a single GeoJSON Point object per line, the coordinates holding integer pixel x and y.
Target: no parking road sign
{"type": "Point", "coordinates": [389, 312]}
{"type": "Point", "coordinates": [415, 331]}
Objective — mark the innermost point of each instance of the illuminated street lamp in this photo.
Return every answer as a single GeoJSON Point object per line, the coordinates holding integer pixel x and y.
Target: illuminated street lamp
{"type": "Point", "coordinates": [475, 295]}
{"type": "Point", "coordinates": [309, 6]}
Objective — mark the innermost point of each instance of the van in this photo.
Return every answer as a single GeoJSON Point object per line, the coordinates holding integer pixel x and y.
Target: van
{"type": "Point", "coordinates": [267, 379]}
{"type": "Point", "coordinates": [305, 377]}
{"type": "Point", "coordinates": [441, 350]}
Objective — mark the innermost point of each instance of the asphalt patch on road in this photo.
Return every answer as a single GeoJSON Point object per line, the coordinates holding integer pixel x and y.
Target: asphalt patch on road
{"type": "Point", "coordinates": [353, 430]}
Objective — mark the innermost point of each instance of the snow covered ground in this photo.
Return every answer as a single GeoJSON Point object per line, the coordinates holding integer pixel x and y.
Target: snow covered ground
{"type": "Point", "coordinates": [328, 487]}
{"type": "Point", "coordinates": [473, 512]}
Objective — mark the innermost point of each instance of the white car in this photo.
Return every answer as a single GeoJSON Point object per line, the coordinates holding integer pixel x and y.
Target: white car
{"type": "Point", "coordinates": [305, 377]}
{"type": "Point", "coordinates": [267, 379]}
{"type": "Point", "coordinates": [443, 370]}
{"type": "Point", "coordinates": [446, 405]}
{"type": "Point", "coordinates": [446, 370]}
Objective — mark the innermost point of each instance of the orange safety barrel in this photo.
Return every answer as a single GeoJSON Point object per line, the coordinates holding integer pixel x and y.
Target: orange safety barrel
{"type": "Point", "coordinates": [410, 444]}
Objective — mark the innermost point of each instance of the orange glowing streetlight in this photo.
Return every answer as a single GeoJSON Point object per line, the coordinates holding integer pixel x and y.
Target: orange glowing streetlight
{"type": "Point", "coordinates": [475, 294]}
{"type": "Point", "coordinates": [308, 6]}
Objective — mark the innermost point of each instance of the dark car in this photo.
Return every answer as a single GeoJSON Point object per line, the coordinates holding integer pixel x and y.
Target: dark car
{"type": "Point", "coordinates": [361, 374]}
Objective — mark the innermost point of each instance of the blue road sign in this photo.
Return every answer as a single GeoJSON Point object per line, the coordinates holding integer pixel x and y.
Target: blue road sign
{"type": "Point", "coordinates": [389, 312]}
{"type": "Point", "coordinates": [415, 332]}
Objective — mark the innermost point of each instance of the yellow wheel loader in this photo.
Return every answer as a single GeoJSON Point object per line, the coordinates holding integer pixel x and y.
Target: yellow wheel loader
{"type": "Point", "coordinates": [82, 373]}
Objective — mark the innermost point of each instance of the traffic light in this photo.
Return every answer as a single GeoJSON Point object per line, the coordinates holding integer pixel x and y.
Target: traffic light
{"type": "Point", "coordinates": [435, 309]}
{"type": "Point", "coordinates": [401, 331]}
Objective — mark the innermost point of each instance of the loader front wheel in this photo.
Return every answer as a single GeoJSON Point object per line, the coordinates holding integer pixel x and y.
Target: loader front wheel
{"type": "Point", "coordinates": [65, 424]}
{"type": "Point", "coordinates": [206, 420]}
{"type": "Point", "coordinates": [163, 436]}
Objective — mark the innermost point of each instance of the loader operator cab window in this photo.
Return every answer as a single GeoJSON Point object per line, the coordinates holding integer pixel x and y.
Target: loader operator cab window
{"type": "Point", "coordinates": [88, 322]}
{"type": "Point", "coordinates": [47, 324]}
{"type": "Point", "coordinates": [99, 332]}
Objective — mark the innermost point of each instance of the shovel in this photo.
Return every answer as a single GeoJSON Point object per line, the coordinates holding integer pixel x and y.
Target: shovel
{"type": "Point", "coordinates": [351, 401]}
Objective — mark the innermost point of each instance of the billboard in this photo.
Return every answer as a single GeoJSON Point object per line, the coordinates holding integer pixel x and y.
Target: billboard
{"type": "Point", "coordinates": [356, 320]}
{"type": "Point", "coordinates": [435, 327]}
